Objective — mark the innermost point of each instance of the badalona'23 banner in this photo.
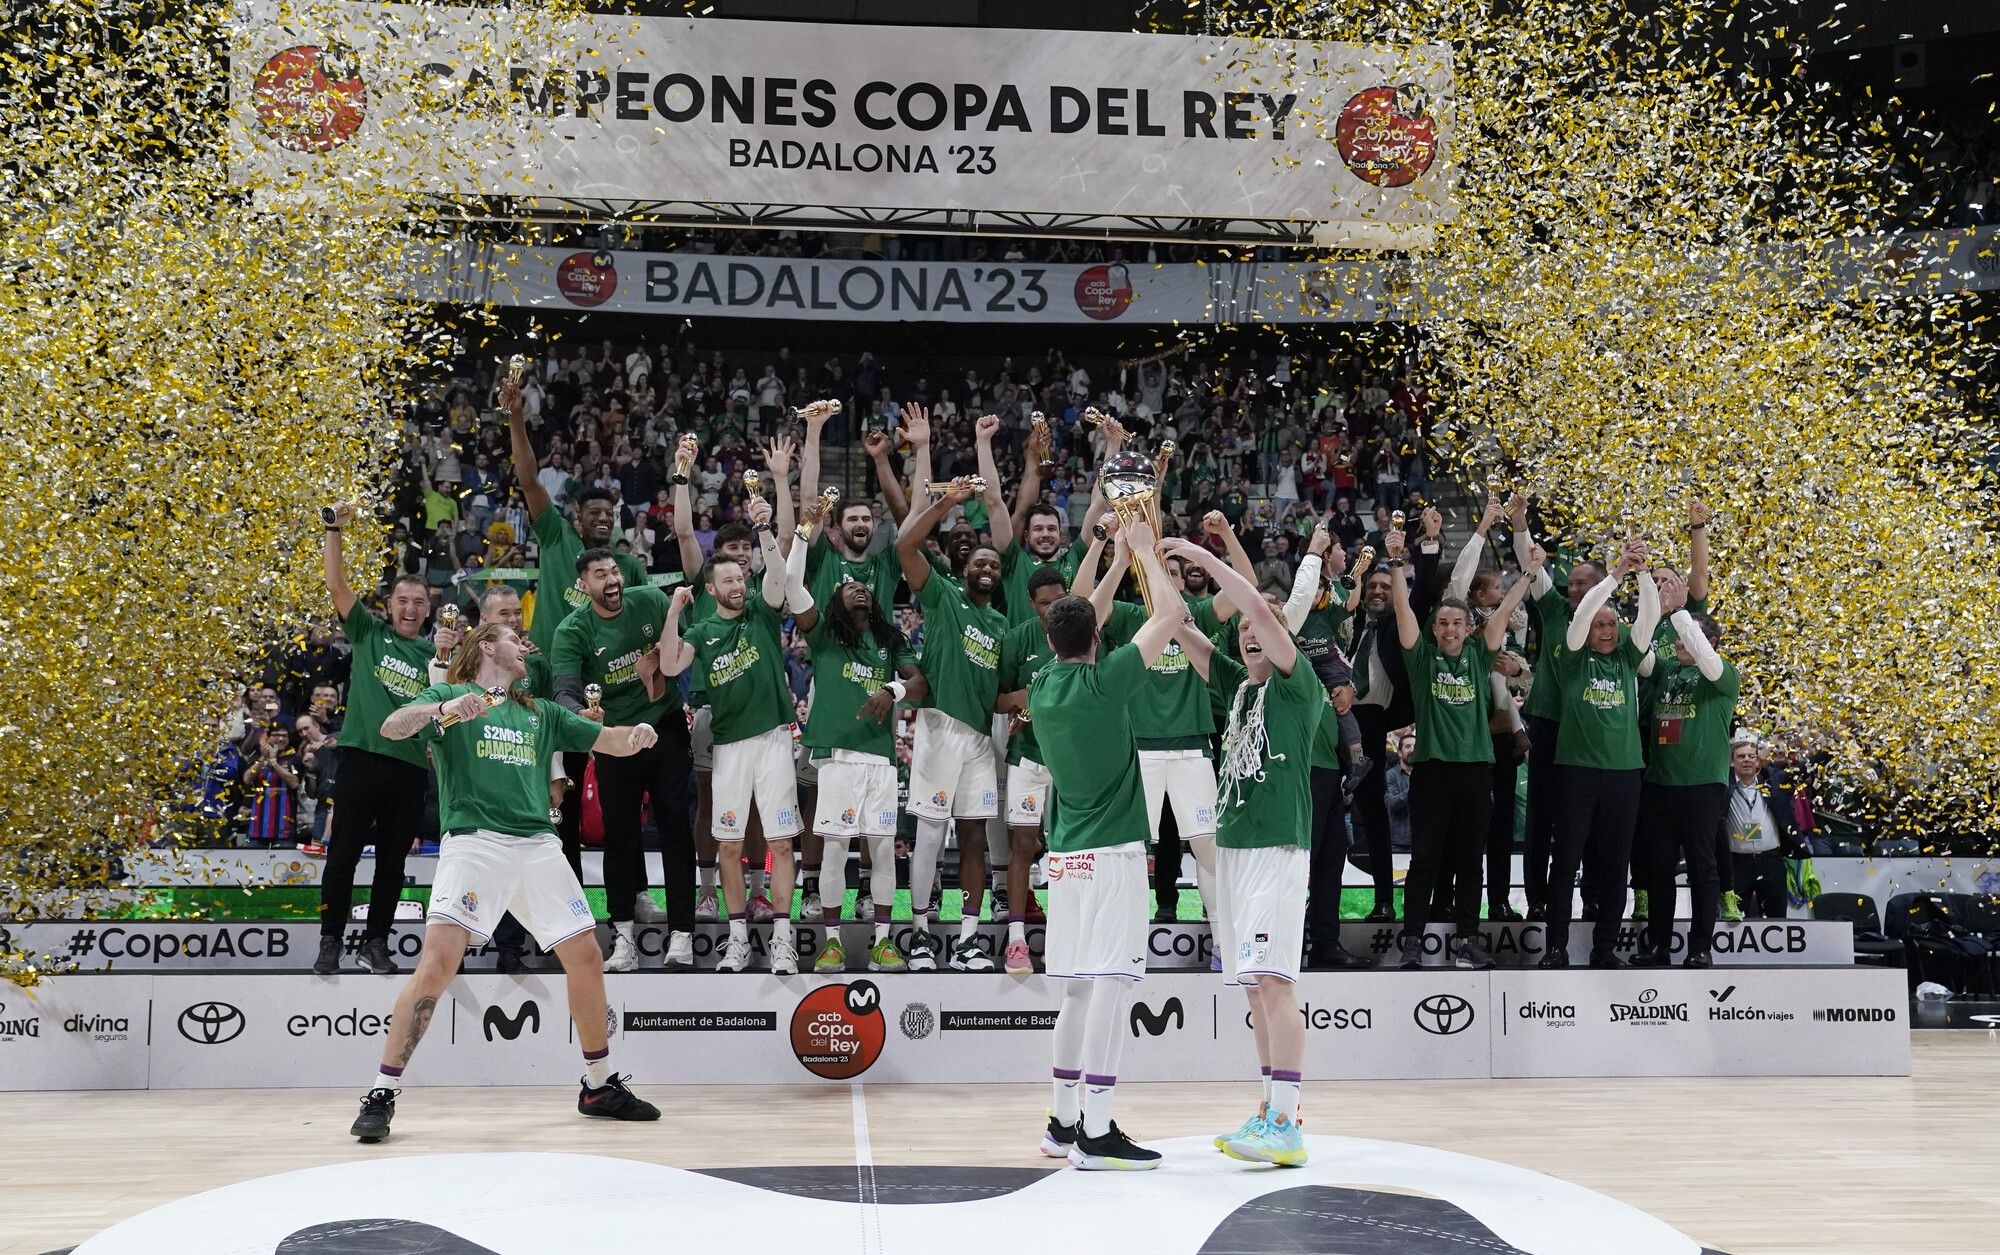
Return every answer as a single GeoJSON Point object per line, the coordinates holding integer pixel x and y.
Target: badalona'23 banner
{"type": "Point", "coordinates": [785, 113]}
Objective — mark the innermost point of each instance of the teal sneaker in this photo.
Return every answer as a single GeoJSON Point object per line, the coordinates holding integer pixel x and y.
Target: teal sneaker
{"type": "Point", "coordinates": [1276, 1140]}
{"type": "Point", "coordinates": [1243, 1130]}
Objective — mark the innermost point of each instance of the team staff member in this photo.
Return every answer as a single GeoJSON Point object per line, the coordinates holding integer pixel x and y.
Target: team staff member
{"type": "Point", "coordinates": [1451, 776]}
{"type": "Point", "coordinates": [1264, 844]}
{"type": "Point", "coordinates": [612, 645]}
{"type": "Point", "coordinates": [379, 796]}
{"type": "Point", "coordinates": [1598, 751]}
{"type": "Point", "coordinates": [1025, 653]}
{"type": "Point", "coordinates": [1690, 699]}
{"type": "Point", "coordinates": [738, 653]}
{"type": "Point", "coordinates": [952, 774]}
{"type": "Point", "coordinates": [1096, 942]}
{"type": "Point", "coordinates": [498, 856]}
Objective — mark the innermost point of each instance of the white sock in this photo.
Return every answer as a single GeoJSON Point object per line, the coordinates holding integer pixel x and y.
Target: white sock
{"type": "Point", "coordinates": [756, 881]}
{"type": "Point", "coordinates": [1103, 1040]}
{"type": "Point", "coordinates": [739, 930]}
{"type": "Point", "coordinates": [1016, 931]}
{"type": "Point", "coordinates": [968, 919]}
{"type": "Point", "coordinates": [1097, 1091]}
{"type": "Point", "coordinates": [1267, 1086]}
{"type": "Point", "coordinates": [1069, 1098]}
{"type": "Point", "coordinates": [1072, 1016]}
{"type": "Point", "coordinates": [1204, 875]}
{"type": "Point", "coordinates": [881, 931]}
{"type": "Point", "coordinates": [781, 928]}
{"type": "Point", "coordinates": [924, 867]}
{"type": "Point", "coordinates": [626, 930]}
{"type": "Point", "coordinates": [384, 1081]}
{"type": "Point", "coordinates": [1285, 1095]}
{"type": "Point", "coordinates": [597, 1072]}
{"type": "Point", "coordinates": [705, 872]}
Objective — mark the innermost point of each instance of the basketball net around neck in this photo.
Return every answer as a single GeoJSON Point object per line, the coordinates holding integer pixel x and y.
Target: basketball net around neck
{"type": "Point", "coordinates": [1244, 744]}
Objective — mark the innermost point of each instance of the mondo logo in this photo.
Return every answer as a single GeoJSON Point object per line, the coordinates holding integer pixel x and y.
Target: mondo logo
{"type": "Point", "coordinates": [918, 1021]}
{"type": "Point", "coordinates": [1387, 136]}
{"type": "Point", "coordinates": [211, 1023]}
{"type": "Point", "coordinates": [1444, 1015]}
{"type": "Point", "coordinates": [1104, 292]}
{"type": "Point", "coordinates": [838, 1030]}
{"type": "Point", "coordinates": [309, 98]}
{"type": "Point", "coordinates": [587, 279]}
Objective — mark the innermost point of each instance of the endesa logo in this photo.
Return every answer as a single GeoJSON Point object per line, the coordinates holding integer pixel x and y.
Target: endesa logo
{"type": "Point", "coordinates": [587, 279]}
{"type": "Point", "coordinates": [838, 1030]}
{"type": "Point", "coordinates": [353, 1022]}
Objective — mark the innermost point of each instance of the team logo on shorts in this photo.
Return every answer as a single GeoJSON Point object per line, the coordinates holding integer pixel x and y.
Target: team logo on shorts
{"type": "Point", "coordinates": [728, 819]}
{"type": "Point", "coordinates": [989, 798]}
{"type": "Point", "coordinates": [579, 909]}
{"type": "Point", "coordinates": [885, 819]}
{"type": "Point", "coordinates": [1204, 814]}
{"type": "Point", "coordinates": [1028, 804]}
{"type": "Point", "coordinates": [847, 818]}
{"type": "Point", "coordinates": [470, 901]}
{"type": "Point", "coordinates": [940, 800]}
{"type": "Point", "coordinates": [787, 818]}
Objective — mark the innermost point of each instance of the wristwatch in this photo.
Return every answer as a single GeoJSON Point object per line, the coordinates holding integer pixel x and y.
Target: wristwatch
{"type": "Point", "coordinates": [677, 479]}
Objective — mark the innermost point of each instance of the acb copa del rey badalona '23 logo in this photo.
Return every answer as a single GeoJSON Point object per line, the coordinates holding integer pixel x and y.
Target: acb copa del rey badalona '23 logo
{"type": "Point", "coordinates": [310, 97]}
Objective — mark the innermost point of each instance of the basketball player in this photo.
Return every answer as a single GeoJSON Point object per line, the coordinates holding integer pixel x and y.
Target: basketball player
{"type": "Point", "coordinates": [862, 666]}
{"type": "Point", "coordinates": [1081, 708]}
{"type": "Point", "coordinates": [1263, 843]}
{"type": "Point", "coordinates": [379, 796]}
{"type": "Point", "coordinates": [1024, 654]}
{"type": "Point", "coordinates": [840, 553]}
{"type": "Point", "coordinates": [1039, 528]}
{"type": "Point", "coordinates": [951, 771]}
{"type": "Point", "coordinates": [611, 645]}
{"type": "Point", "coordinates": [738, 653]}
{"type": "Point", "coordinates": [499, 856]}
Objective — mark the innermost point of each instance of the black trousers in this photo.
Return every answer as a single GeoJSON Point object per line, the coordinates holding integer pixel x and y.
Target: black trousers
{"type": "Point", "coordinates": [1500, 831]}
{"type": "Point", "coordinates": [663, 775]}
{"type": "Point", "coordinates": [1167, 864]}
{"type": "Point", "coordinates": [1450, 808]}
{"type": "Point", "coordinates": [1538, 843]}
{"type": "Point", "coordinates": [508, 933]}
{"type": "Point", "coordinates": [1759, 878]}
{"type": "Point", "coordinates": [1371, 807]}
{"type": "Point", "coordinates": [1724, 861]}
{"type": "Point", "coordinates": [1327, 870]}
{"type": "Point", "coordinates": [377, 800]}
{"type": "Point", "coordinates": [1678, 822]}
{"type": "Point", "coordinates": [1599, 810]}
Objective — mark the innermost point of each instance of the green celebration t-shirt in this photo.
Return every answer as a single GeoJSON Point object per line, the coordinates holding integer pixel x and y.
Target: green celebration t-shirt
{"type": "Point", "coordinates": [1202, 610]}
{"type": "Point", "coordinates": [559, 589]}
{"type": "Point", "coordinates": [827, 569]}
{"type": "Point", "coordinates": [1024, 654]}
{"type": "Point", "coordinates": [1173, 711]}
{"type": "Point", "coordinates": [844, 678]}
{"type": "Point", "coordinates": [1688, 723]}
{"type": "Point", "coordinates": [961, 652]}
{"type": "Point", "coordinates": [1600, 707]}
{"type": "Point", "coordinates": [1326, 741]}
{"type": "Point", "coordinates": [1451, 698]}
{"type": "Point", "coordinates": [388, 673]}
{"type": "Point", "coordinates": [1017, 565]}
{"type": "Point", "coordinates": [541, 678]}
{"type": "Point", "coordinates": [1270, 804]}
{"type": "Point", "coordinates": [1552, 610]}
{"type": "Point", "coordinates": [493, 772]}
{"type": "Point", "coordinates": [741, 663]}
{"type": "Point", "coordinates": [1083, 723]}
{"type": "Point", "coordinates": [605, 651]}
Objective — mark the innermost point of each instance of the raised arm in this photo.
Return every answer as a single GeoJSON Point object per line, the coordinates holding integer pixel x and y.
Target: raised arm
{"type": "Point", "coordinates": [1216, 524]}
{"type": "Point", "coordinates": [333, 560]}
{"type": "Point", "coordinates": [910, 540]}
{"type": "Point", "coordinates": [1277, 643]}
{"type": "Point", "coordinates": [816, 415]}
{"type": "Point", "coordinates": [1495, 630]}
{"type": "Point", "coordinates": [1647, 623]}
{"type": "Point", "coordinates": [684, 461]}
{"type": "Point", "coordinates": [1697, 580]}
{"type": "Point", "coordinates": [1517, 520]}
{"type": "Point", "coordinates": [527, 470]}
{"type": "Point", "coordinates": [676, 655]}
{"type": "Point", "coordinates": [799, 598]}
{"type": "Point", "coordinates": [778, 461]}
{"type": "Point", "coordinates": [1105, 593]}
{"type": "Point", "coordinates": [1198, 648]}
{"type": "Point", "coordinates": [1467, 564]}
{"type": "Point", "coordinates": [998, 522]}
{"type": "Point", "coordinates": [1305, 585]}
{"type": "Point", "coordinates": [1593, 601]}
{"type": "Point", "coordinates": [759, 511]}
{"type": "Point", "coordinates": [916, 429]}
{"type": "Point", "coordinates": [1408, 630]}
{"type": "Point", "coordinates": [1030, 490]}
{"type": "Point", "coordinates": [878, 445]}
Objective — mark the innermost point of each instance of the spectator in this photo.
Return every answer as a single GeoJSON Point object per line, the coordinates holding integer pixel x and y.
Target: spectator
{"type": "Point", "coordinates": [1396, 790]}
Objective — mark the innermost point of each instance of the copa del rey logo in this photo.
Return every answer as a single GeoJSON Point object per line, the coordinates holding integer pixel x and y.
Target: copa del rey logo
{"type": "Point", "coordinates": [1387, 135]}
{"type": "Point", "coordinates": [310, 98]}
{"type": "Point", "coordinates": [587, 279]}
{"type": "Point", "coordinates": [1104, 292]}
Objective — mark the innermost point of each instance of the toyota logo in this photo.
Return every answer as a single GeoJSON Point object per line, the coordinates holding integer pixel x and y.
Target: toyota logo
{"type": "Point", "coordinates": [211, 1023]}
{"type": "Point", "coordinates": [1444, 1014]}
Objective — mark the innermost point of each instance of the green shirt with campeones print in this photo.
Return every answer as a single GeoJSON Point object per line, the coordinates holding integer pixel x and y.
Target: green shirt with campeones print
{"type": "Point", "coordinates": [493, 771]}
{"type": "Point", "coordinates": [388, 672]}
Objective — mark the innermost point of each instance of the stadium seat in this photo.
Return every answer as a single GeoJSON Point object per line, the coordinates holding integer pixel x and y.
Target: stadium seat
{"type": "Point", "coordinates": [1897, 847]}
{"type": "Point", "coordinates": [1871, 945]}
{"type": "Point", "coordinates": [1938, 943]}
{"type": "Point", "coordinates": [1849, 849]}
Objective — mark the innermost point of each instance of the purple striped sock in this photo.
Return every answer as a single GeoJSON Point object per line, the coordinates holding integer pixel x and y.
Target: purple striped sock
{"type": "Point", "coordinates": [1284, 1076]}
{"type": "Point", "coordinates": [736, 915]}
{"type": "Point", "coordinates": [829, 915]}
{"type": "Point", "coordinates": [1068, 1074]}
{"type": "Point", "coordinates": [386, 1070]}
{"type": "Point", "coordinates": [592, 1056]}
{"type": "Point", "coordinates": [1017, 919]}
{"type": "Point", "coordinates": [1100, 1080]}
{"type": "Point", "coordinates": [882, 912]}
{"type": "Point", "coordinates": [1265, 1071]}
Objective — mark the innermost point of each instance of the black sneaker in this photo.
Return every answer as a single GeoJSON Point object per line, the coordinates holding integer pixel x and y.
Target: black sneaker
{"type": "Point", "coordinates": [1697, 958]}
{"type": "Point", "coordinates": [375, 957]}
{"type": "Point", "coordinates": [615, 1102]}
{"type": "Point", "coordinates": [509, 961]}
{"type": "Point", "coordinates": [1470, 952]}
{"type": "Point", "coordinates": [1336, 958]}
{"type": "Point", "coordinates": [1382, 914]}
{"type": "Point", "coordinates": [1537, 912]}
{"type": "Point", "coordinates": [1555, 956]}
{"type": "Point", "coordinates": [922, 953]}
{"type": "Point", "coordinates": [1114, 1152]}
{"type": "Point", "coordinates": [378, 1107]}
{"type": "Point", "coordinates": [1058, 1137]}
{"type": "Point", "coordinates": [1166, 915]}
{"type": "Point", "coordinates": [328, 961]}
{"type": "Point", "coordinates": [1652, 958]}
{"type": "Point", "coordinates": [1411, 947]}
{"type": "Point", "coordinates": [1607, 961]}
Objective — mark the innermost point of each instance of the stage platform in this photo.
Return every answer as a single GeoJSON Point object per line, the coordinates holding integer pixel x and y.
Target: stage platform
{"type": "Point", "coordinates": [187, 1030]}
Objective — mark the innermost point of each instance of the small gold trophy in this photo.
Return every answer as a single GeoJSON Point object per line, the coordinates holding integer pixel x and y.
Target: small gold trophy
{"type": "Point", "coordinates": [829, 501]}
{"type": "Point", "coordinates": [593, 696]}
{"type": "Point", "coordinates": [517, 369]}
{"type": "Point", "coordinates": [448, 615]}
{"type": "Point", "coordinates": [1094, 416]}
{"type": "Point", "coordinates": [832, 408]}
{"type": "Point", "coordinates": [753, 483]}
{"type": "Point", "coordinates": [1396, 518]}
{"type": "Point", "coordinates": [1040, 423]}
{"type": "Point", "coordinates": [939, 487]}
{"type": "Point", "coordinates": [494, 696]}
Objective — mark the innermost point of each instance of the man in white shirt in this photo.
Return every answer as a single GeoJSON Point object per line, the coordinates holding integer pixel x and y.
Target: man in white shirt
{"type": "Point", "coordinates": [1759, 831]}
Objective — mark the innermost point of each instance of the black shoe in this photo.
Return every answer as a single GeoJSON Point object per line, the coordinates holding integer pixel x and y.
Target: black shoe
{"type": "Point", "coordinates": [1166, 915]}
{"type": "Point", "coordinates": [615, 1102]}
{"type": "Point", "coordinates": [1356, 773]}
{"type": "Point", "coordinates": [1651, 958]}
{"type": "Point", "coordinates": [375, 957]}
{"type": "Point", "coordinates": [1337, 958]}
{"type": "Point", "coordinates": [1000, 907]}
{"type": "Point", "coordinates": [1538, 912]}
{"type": "Point", "coordinates": [1468, 951]}
{"type": "Point", "coordinates": [1555, 956]}
{"type": "Point", "coordinates": [1059, 1137]}
{"type": "Point", "coordinates": [1607, 961]}
{"type": "Point", "coordinates": [1114, 1152]}
{"type": "Point", "coordinates": [378, 1107]}
{"type": "Point", "coordinates": [1588, 914]}
{"type": "Point", "coordinates": [1697, 958]}
{"type": "Point", "coordinates": [1382, 914]}
{"type": "Point", "coordinates": [1410, 946]}
{"type": "Point", "coordinates": [1504, 913]}
{"type": "Point", "coordinates": [510, 961]}
{"type": "Point", "coordinates": [328, 961]}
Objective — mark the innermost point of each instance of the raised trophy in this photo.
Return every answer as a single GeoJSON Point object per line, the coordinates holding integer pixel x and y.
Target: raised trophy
{"type": "Point", "coordinates": [494, 696]}
{"type": "Point", "coordinates": [517, 369]}
{"type": "Point", "coordinates": [1131, 487]}
{"type": "Point", "coordinates": [829, 501]}
{"type": "Point", "coordinates": [593, 696]}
